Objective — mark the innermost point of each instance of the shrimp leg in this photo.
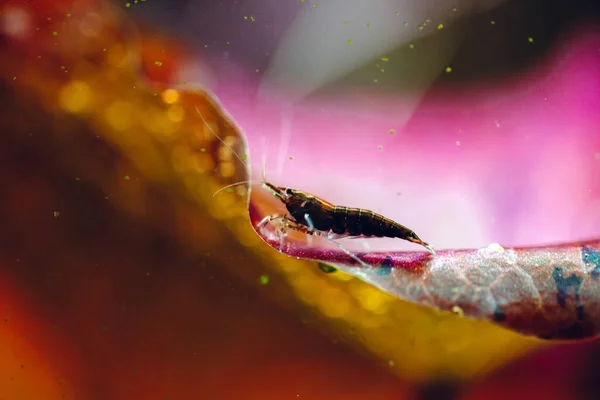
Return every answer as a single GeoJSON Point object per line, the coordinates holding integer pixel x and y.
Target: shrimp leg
{"type": "Point", "coordinates": [339, 245]}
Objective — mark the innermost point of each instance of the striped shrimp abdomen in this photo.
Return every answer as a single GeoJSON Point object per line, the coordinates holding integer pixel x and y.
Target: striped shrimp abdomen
{"type": "Point", "coordinates": [359, 222]}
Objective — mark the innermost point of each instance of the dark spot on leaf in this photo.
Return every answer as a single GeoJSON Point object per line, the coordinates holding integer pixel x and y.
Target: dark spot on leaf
{"type": "Point", "coordinates": [591, 258]}
{"type": "Point", "coordinates": [386, 267]}
{"type": "Point", "coordinates": [563, 285]}
{"type": "Point", "coordinates": [579, 310]}
{"type": "Point", "coordinates": [328, 269]}
{"type": "Point", "coordinates": [499, 314]}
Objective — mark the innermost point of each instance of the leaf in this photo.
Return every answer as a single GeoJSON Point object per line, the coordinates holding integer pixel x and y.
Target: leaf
{"type": "Point", "coordinates": [552, 292]}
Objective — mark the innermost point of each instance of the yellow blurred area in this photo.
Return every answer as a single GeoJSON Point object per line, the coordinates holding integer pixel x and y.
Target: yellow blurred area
{"type": "Point", "coordinates": [75, 97]}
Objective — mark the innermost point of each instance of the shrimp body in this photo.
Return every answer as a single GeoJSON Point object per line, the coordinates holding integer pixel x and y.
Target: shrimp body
{"type": "Point", "coordinates": [321, 217]}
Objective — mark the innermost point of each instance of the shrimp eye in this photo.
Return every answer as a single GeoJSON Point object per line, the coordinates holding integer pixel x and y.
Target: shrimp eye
{"type": "Point", "coordinates": [288, 191]}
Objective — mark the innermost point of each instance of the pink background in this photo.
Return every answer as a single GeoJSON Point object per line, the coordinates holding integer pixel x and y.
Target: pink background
{"type": "Point", "coordinates": [515, 162]}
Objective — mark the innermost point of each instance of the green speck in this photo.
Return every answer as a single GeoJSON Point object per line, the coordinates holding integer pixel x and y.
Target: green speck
{"type": "Point", "coordinates": [203, 150]}
{"type": "Point", "coordinates": [448, 69]}
{"type": "Point", "coordinates": [530, 39]}
{"type": "Point", "coordinates": [263, 279]}
{"type": "Point", "coordinates": [375, 80]}
{"type": "Point", "coordinates": [411, 46]}
{"type": "Point", "coordinates": [229, 190]}
{"type": "Point", "coordinates": [392, 131]}
{"type": "Point", "coordinates": [328, 269]}
{"type": "Point", "coordinates": [493, 22]}
{"type": "Point", "coordinates": [349, 41]}
{"type": "Point", "coordinates": [315, 5]}
{"type": "Point", "coordinates": [55, 33]}
{"type": "Point", "coordinates": [397, 13]}
{"type": "Point", "coordinates": [368, 25]}
{"type": "Point", "coordinates": [454, 9]}
{"type": "Point", "coordinates": [68, 14]}
{"type": "Point", "coordinates": [126, 177]}
{"type": "Point", "coordinates": [345, 22]}
{"type": "Point", "coordinates": [252, 19]}
{"type": "Point", "coordinates": [421, 27]}
{"type": "Point", "coordinates": [158, 63]}
{"type": "Point", "coordinates": [244, 156]}
{"type": "Point", "coordinates": [385, 59]}
{"type": "Point", "coordinates": [441, 26]}
{"type": "Point", "coordinates": [405, 23]}
{"type": "Point", "coordinates": [127, 4]}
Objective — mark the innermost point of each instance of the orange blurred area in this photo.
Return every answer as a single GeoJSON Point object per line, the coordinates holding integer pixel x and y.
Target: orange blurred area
{"type": "Point", "coordinates": [97, 304]}
{"type": "Point", "coordinates": [102, 302]}
{"type": "Point", "coordinates": [160, 58]}
{"type": "Point", "coordinates": [121, 277]}
{"type": "Point", "coordinates": [29, 350]}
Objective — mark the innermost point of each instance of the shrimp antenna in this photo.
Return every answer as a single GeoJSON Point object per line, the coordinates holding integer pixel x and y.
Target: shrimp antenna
{"type": "Point", "coordinates": [218, 137]}
{"type": "Point", "coordinates": [264, 160]}
{"type": "Point", "coordinates": [251, 182]}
